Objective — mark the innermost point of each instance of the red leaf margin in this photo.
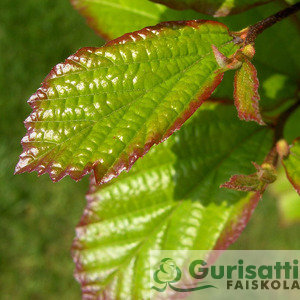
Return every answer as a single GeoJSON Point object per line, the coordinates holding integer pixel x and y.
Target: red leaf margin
{"type": "Point", "coordinates": [233, 229]}
{"type": "Point", "coordinates": [125, 162]}
{"type": "Point", "coordinates": [231, 232]}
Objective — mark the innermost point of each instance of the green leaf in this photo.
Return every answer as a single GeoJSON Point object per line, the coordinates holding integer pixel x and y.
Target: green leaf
{"type": "Point", "coordinates": [291, 163]}
{"type": "Point", "coordinates": [292, 126]}
{"type": "Point", "coordinates": [287, 200]}
{"type": "Point", "coordinates": [246, 95]}
{"type": "Point", "coordinates": [112, 18]}
{"type": "Point", "coordinates": [169, 200]}
{"type": "Point", "coordinates": [289, 208]}
{"type": "Point", "coordinates": [218, 8]}
{"type": "Point", "coordinates": [278, 77]}
{"type": "Point", "coordinates": [291, 1]}
{"type": "Point", "coordinates": [105, 107]}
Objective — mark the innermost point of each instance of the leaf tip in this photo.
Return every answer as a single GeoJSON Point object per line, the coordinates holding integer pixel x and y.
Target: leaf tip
{"type": "Point", "coordinates": [250, 117]}
{"type": "Point", "coordinates": [221, 59]}
{"type": "Point", "coordinates": [18, 169]}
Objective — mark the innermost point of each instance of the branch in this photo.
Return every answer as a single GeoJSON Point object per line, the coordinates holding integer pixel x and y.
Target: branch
{"type": "Point", "coordinates": [279, 126]}
{"type": "Point", "coordinates": [259, 27]}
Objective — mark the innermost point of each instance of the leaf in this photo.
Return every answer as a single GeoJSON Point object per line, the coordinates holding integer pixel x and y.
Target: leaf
{"type": "Point", "coordinates": [292, 126]}
{"type": "Point", "coordinates": [246, 93]}
{"type": "Point", "coordinates": [246, 83]}
{"type": "Point", "coordinates": [287, 200]}
{"type": "Point", "coordinates": [106, 107]}
{"type": "Point", "coordinates": [218, 8]}
{"type": "Point", "coordinates": [113, 18]}
{"type": "Point", "coordinates": [278, 77]}
{"type": "Point", "coordinates": [169, 200]}
{"type": "Point", "coordinates": [264, 175]}
{"type": "Point", "coordinates": [290, 158]}
{"type": "Point", "coordinates": [289, 208]}
{"type": "Point", "coordinates": [226, 63]}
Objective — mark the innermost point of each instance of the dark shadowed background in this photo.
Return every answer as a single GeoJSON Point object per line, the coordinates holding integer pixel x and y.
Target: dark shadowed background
{"type": "Point", "coordinates": [37, 217]}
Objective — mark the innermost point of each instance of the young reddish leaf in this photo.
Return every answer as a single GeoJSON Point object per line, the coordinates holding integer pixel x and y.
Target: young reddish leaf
{"type": "Point", "coordinates": [169, 200]}
{"type": "Point", "coordinates": [243, 183]}
{"type": "Point", "coordinates": [217, 8]}
{"type": "Point", "coordinates": [108, 106]}
{"type": "Point", "coordinates": [221, 59]}
{"type": "Point", "coordinates": [276, 84]}
{"type": "Point", "coordinates": [246, 93]}
{"type": "Point", "coordinates": [227, 63]}
{"type": "Point", "coordinates": [290, 158]}
{"type": "Point", "coordinates": [264, 175]}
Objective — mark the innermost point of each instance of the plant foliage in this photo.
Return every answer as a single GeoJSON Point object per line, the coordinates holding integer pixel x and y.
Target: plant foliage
{"type": "Point", "coordinates": [103, 109]}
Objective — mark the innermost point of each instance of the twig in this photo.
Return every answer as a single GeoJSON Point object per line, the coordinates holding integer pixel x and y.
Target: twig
{"type": "Point", "coordinates": [279, 126]}
{"type": "Point", "coordinates": [258, 28]}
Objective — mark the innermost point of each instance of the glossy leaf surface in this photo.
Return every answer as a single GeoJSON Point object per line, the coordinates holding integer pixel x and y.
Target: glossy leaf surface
{"type": "Point", "coordinates": [278, 77]}
{"type": "Point", "coordinates": [218, 8]}
{"type": "Point", "coordinates": [112, 18]}
{"type": "Point", "coordinates": [246, 93]}
{"type": "Point", "coordinates": [169, 200]}
{"type": "Point", "coordinates": [107, 106]}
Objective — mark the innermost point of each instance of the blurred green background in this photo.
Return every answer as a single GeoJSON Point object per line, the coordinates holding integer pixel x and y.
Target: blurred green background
{"type": "Point", "coordinates": [37, 217]}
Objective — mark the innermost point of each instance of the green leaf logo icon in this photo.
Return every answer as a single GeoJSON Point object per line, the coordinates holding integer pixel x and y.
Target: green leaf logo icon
{"type": "Point", "coordinates": [168, 272]}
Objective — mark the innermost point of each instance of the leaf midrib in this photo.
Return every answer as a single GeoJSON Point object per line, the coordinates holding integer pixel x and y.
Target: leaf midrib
{"type": "Point", "coordinates": [128, 105]}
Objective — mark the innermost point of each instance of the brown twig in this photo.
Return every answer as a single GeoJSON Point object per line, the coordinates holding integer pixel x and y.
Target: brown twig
{"type": "Point", "coordinates": [258, 28]}
{"type": "Point", "coordinates": [280, 123]}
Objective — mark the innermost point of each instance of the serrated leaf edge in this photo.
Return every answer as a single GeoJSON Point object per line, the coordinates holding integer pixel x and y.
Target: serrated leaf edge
{"type": "Point", "coordinates": [123, 163]}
